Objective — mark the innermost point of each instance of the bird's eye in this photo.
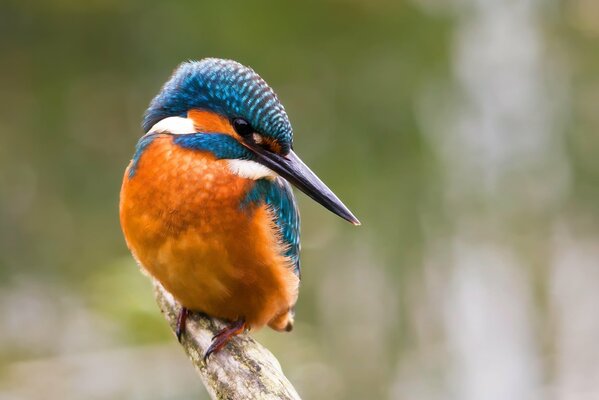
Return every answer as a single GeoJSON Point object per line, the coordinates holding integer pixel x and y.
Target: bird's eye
{"type": "Point", "coordinates": [242, 127]}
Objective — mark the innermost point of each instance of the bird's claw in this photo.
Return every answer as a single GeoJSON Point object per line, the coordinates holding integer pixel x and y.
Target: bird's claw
{"type": "Point", "coordinates": [181, 323]}
{"type": "Point", "coordinates": [223, 337]}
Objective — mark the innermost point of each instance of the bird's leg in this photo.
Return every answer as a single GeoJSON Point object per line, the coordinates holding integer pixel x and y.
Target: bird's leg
{"type": "Point", "coordinates": [224, 335]}
{"type": "Point", "coordinates": [181, 320]}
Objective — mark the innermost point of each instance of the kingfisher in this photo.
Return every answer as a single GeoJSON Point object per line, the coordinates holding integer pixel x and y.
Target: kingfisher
{"type": "Point", "coordinates": [206, 205]}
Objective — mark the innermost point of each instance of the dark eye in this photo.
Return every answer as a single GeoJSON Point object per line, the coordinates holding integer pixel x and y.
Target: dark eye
{"type": "Point", "coordinates": [242, 127]}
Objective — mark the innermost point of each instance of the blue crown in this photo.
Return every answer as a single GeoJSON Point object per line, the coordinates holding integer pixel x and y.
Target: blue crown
{"type": "Point", "coordinates": [227, 88]}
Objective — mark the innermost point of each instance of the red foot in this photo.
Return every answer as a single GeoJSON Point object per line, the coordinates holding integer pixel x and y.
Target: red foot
{"type": "Point", "coordinates": [222, 338]}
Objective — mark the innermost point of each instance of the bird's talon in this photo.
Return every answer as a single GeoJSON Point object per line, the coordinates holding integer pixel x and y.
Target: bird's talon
{"type": "Point", "coordinates": [224, 336]}
{"type": "Point", "coordinates": [207, 354]}
{"type": "Point", "coordinates": [181, 323]}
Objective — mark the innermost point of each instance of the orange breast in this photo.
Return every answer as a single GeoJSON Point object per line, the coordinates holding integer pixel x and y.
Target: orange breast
{"type": "Point", "coordinates": [182, 220]}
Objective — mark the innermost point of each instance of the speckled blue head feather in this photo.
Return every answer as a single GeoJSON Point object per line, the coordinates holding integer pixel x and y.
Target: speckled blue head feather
{"type": "Point", "coordinates": [224, 87]}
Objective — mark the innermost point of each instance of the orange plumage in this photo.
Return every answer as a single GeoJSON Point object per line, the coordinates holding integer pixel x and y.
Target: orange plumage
{"type": "Point", "coordinates": [182, 221]}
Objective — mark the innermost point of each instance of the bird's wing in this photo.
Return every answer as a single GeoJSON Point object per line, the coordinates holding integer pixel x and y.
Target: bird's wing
{"type": "Point", "coordinates": [277, 194]}
{"type": "Point", "coordinates": [287, 219]}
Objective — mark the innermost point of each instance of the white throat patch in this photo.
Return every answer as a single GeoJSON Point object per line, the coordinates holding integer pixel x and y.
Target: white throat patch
{"type": "Point", "coordinates": [173, 125]}
{"type": "Point", "coordinates": [250, 169]}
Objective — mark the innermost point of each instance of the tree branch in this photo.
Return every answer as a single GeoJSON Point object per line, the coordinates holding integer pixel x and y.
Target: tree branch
{"type": "Point", "coordinates": [244, 369]}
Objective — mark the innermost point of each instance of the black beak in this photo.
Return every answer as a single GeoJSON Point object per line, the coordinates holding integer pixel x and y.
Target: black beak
{"type": "Point", "coordinates": [292, 168]}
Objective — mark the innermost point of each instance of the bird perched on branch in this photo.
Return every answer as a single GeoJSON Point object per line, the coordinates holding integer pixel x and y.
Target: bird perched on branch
{"type": "Point", "coordinates": [206, 206]}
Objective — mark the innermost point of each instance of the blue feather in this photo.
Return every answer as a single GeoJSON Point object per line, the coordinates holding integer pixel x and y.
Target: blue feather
{"type": "Point", "coordinates": [142, 144]}
{"type": "Point", "coordinates": [278, 195]}
{"type": "Point", "coordinates": [224, 87]}
{"type": "Point", "coordinates": [223, 146]}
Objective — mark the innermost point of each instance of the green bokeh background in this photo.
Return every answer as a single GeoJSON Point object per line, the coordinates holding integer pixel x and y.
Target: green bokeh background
{"type": "Point", "coordinates": [371, 88]}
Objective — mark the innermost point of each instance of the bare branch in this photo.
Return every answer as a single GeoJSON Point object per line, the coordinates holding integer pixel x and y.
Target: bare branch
{"type": "Point", "coordinates": [244, 369]}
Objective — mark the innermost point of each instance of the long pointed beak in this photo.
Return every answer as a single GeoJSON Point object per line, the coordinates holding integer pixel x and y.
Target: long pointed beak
{"type": "Point", "coordinates": [292, 168]}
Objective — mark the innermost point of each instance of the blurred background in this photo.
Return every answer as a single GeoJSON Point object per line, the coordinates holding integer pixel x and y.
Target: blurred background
{"type": "Point", "coordinates": [462, 133]}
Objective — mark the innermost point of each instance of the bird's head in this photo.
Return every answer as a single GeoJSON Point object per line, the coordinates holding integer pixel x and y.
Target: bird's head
{"type": "Point", "coordinates": [223, 96]}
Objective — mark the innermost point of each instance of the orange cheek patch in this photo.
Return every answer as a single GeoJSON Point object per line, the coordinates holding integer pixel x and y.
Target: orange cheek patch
{"type": "Point", "coordinates": [272, 145]}
{"type": "Point", "coordinates": [207, 121]}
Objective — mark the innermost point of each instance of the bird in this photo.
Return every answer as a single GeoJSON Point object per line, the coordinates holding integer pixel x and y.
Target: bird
{"type": "Point", "coordinates": [206, 204]}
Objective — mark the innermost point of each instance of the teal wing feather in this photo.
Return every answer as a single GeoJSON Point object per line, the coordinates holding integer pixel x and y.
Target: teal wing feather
{"type": "Point", "coordinates": [277, 194]}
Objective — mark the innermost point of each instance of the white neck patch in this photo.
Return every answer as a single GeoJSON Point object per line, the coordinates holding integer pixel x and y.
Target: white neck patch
{"type": "Point", "coordinates": [250, 169]}
{"type": "Point", "coordinates": [173, 125]}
